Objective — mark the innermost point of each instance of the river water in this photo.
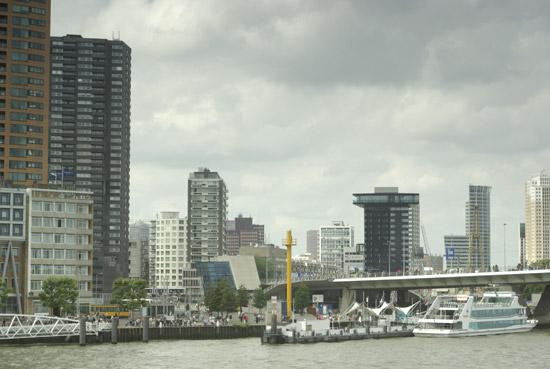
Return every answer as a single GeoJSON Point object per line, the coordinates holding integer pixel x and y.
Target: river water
{"type": "Point", "coordinates": [523, 351]}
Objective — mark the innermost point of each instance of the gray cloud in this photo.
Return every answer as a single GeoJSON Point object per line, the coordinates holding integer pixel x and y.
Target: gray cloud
{"type": "Point", "coordinates": [299, 104]}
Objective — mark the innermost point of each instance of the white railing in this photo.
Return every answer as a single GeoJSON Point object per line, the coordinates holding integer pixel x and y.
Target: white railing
{"type": "Point", "coordinates": [14, 326]}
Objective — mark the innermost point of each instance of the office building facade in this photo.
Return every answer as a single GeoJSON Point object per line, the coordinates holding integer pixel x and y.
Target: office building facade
{"type": "Point", "coordinates": [312, 243]}
{"type": "Point", "coordinates": [24, 87]}
{"type": "Point", "coordinates": [457, 252]}
{"type": "Point", "coordinates": [206, 215]}
{"type": "Point", "coordinates": [334, 240]}
{"type": "Point", "coordinates": [521, 247]}
{"type": "Point", "coordinates": [139, 233]}
{"type": "Point", "coordinates": [12, 247]}
{"type": "Point", "coordinates": [242, 232]}
{"type": "Point", "coordinates": [391, 228]}
{"type": "Point", "coordinates": [478, 227]}
{"type": "Point", "coordinates": [90, 140]}
{"type": "Point", "coordinates": [537, 219]}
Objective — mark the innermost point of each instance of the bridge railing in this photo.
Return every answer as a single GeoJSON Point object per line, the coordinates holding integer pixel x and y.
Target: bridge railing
{"type": "Point", "coordinates": [23, 326]}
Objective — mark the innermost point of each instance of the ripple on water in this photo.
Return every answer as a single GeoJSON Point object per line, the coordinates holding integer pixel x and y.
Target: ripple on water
{"type": "Point", "coordinates": [525, 351]}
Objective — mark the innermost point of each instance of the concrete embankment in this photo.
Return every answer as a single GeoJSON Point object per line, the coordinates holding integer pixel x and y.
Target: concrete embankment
{"type": "Point", "coordinates": [164, 333]}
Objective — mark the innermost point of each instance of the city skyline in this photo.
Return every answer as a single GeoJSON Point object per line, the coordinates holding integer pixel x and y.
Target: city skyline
{"type": "Point", "coordinates": [432, 125]}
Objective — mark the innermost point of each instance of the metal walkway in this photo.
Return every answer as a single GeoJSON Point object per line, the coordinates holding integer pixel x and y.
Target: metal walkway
{"type": "Point", "coordinates": [14, 326]}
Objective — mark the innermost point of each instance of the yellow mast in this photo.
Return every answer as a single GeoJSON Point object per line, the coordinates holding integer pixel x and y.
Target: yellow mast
{"type": "Point", "coordinates": [288, 244]}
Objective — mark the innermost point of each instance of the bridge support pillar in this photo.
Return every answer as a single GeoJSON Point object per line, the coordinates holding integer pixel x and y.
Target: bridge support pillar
{"type": "Point", "coordinates": [82, 332]}
{"type": "Point", "coordinates": [542, 311]}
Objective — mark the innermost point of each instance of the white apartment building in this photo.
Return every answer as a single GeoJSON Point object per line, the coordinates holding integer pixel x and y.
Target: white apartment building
{"type": "Point", "coordinates": [168, 251]}
{"type": "Point", "coordinates": [60, 229]}
{"type": "Point", "coordinates": [334, 241]}
{"type": "Point", "coordinates": [537, 218]}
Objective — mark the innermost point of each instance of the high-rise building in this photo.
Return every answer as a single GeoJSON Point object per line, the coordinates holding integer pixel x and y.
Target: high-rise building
{"type": "Point", "coordinates": [139, 234]}
{"type": "Point", "coordinates": [522, 255]}
{"type": "Point", "coordinates": [206, 215]}
{"type": "Point", "coordinates": [478, 227]}
{"type": "Point", "coordinates": [168, 251]}
{"type": "Point", "coordinates": [537, 218]}
{"type": "Point", "coordinates": [59, 242]}
{"type": "Point", "coordinates": [24, 92]}
{"type": "Point", "coordinates": [242, 232]}
{"type": "Point", "coordinates": [312, 244]}
{"type": "Point", "coordinates": [392, 228]}
{"type": "Point", "coordinates": [457, 250]}
{"type": "Point", "coordinates": [90, 139]}
{"type": "Point", "coordinates": [334, 240]}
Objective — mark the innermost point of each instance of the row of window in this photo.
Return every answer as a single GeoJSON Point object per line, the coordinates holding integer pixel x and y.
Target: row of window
{"type": "Point", "coordinates": [60, 238]}
{"type": "Point", "coordinates": [16, 199]}
{"type": "Point", "coordinates": [7, 214]}
{"type": "Point", "coordinates": [7, 230]}
{"type": "Point", "coordinates": [59, 269]}
{"type": "Point", "coordinates": [59, 223]}
{"type": "Point", "coordinates": [496, 324]}
{"type": "Point", "coordinates": [60, 207]}
{"type": "Point", "coordinates": [37, 285]}
{"type": "Point", "coordinates": [61, 254]}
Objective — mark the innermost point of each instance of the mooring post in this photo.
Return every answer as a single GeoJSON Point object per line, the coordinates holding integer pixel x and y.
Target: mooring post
{"type": "Point", "coordinates": [145, 328]}
{"type": "Point", "coordinates": [114, 330]}
{"type": "Point", "coordinates": [82, 336]}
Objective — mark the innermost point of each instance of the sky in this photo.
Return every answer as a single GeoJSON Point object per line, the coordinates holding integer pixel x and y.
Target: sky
{"type": "Point", "coordinates": [300, 104]}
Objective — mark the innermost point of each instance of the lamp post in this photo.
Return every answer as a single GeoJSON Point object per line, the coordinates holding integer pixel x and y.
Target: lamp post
{"type": "Point", "coordinates": [504, 250]}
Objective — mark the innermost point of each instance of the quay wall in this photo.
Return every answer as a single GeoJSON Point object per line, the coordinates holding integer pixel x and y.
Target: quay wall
{"type": "Point", "coordinates": [155, 333]}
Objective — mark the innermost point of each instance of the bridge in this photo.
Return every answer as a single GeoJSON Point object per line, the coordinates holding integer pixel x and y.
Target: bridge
{"type": "Point", "coordinates": [15, 326]}
{"type": "Point", "coordinates": [347, 288]}
{"type": "Point", "coordinates": [541, 276]}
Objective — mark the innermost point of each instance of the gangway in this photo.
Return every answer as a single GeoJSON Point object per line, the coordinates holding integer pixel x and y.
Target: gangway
{"type": "Point", "coordinates": [15, 326]}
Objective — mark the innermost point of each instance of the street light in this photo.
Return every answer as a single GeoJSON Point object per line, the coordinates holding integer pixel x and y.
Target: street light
{"type": "Point", "coordinates": [504, 267]}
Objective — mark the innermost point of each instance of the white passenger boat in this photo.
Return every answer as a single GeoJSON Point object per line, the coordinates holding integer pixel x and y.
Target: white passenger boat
{"type": "Point", "coordinates": [463, 315]}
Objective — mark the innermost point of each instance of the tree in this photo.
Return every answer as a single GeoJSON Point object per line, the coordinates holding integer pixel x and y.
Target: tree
{"type": "Point", "coordinates": [212, 299]}
{"type": "Point", "coordinates": [302, 298]}
{"type": "Point", "coordinates": [221, 297]}
{"type": "Point", "coordinates": [59, 294]}
{"type": "Point", "coordinates": [540, 264]}
{"type": "Point", "coordinates": [260, 299]}
{"type": "Point", "coordinates": [242, 297]}
{"type": "Point", "coordinates": [129, 293]}
{"type": "Point", "coordinates": [229, 300]}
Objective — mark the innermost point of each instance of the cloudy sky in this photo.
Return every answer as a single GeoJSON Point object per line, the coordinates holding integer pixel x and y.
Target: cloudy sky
{"type": "Point", "coordinates": [300, 104]}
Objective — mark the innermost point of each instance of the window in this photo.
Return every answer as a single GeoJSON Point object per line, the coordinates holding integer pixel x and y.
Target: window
{"type": "Point", "coordinates": [18, 199]}
{"type": "Point", "coordinates": [48, 206]}
{"type": "Point", "coordinates": [18, 214]}
{"type": "Point", "coordinates": [5, 198]}
{"type": "Point", "coordinates": [4, 229]}
{"type": "Point", "coordinates": [4, 214]}
{"type": "Point", "coordinates": [59, 238]}
{"type": "Point", "coordinates": [18, 229]}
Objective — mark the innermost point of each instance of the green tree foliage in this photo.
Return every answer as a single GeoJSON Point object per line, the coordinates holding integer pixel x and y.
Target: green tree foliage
{"type": "Point", "coordinates": [129, 293]}
{"type": "Point", "coordinates": [59, 294]}
{"type": "Point", "coordinates": [540, 264]}
{"type": "Point", "coordinates": [260, 299]}
{"type": "Point", "coordinates": [302, 297]}
{"type": "Point", "coordinates": [529, 289]}
{"type": "Point", "coordinates": [220, 297]}
{"type": "Point", "coordinates": [242, 297]}
{"type": "Point", "coordinates": [212, 299]}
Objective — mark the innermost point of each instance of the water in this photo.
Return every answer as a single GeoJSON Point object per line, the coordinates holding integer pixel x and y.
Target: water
{"type": "Point", "coordinates": [524, 351]}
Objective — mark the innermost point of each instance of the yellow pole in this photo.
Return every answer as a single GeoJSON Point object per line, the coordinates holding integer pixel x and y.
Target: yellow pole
{"type": "Point", "coordinates": [289, 274]}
